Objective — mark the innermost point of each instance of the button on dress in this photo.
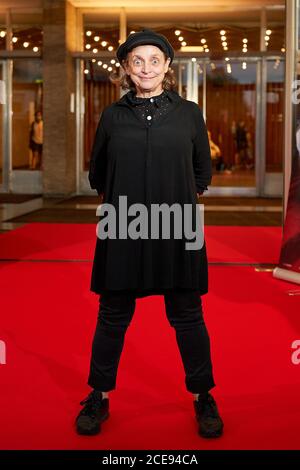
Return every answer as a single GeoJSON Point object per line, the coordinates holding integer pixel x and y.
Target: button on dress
{"type": "Point", "coordinates": [153, 151]}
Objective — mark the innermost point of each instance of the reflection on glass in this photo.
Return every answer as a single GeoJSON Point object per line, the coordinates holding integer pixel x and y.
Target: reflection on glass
{"type": "Point", "coordinates": [274, 115]}
{"type": "Point", "coordinates": [98, 92]}
{"type": "Point", "coordinates": [27, 123]}
{"type": "Point", "coordinates": [1, 125]}
{"type": "Point", "coordinates": [28, 38]}
{"type": "Point", "coordinates": [206, 39]}
{"type": "Point", "coordinates": [101, 37]}
{"type": "Point", "coordinates": [179, 66]}
{"type": "Point", "coordinates": [230, 120]}
{"type": "Point", "coordinates": [2, 34]}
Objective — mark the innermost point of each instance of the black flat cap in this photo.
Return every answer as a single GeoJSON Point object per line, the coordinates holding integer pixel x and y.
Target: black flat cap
{"type": "Point", "coordinates": [146, 36]}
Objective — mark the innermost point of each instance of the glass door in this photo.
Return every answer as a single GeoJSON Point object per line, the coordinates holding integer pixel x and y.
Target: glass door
{"type": "Point", "coordinates": [226, 92]}
{"type": "Point", "coordinates": [3, 104]}
{"type": "Point", "coordinates": [232, 119]}
{"type": "Point", "coordinates": [274, 129]}
{"type": "Point", "coordinates": [242, 103]}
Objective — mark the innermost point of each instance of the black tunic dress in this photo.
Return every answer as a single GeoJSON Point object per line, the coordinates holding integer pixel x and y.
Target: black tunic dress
{"type": "Point", "coordinates": [153, 150]}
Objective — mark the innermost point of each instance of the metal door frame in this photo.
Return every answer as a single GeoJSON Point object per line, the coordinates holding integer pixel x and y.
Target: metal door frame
{"type": "Point", "coordinates": [6, 130]}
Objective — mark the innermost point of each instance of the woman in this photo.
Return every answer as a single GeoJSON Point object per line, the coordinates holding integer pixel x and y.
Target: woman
{"type": "Point", "coordinates": [151, 146]}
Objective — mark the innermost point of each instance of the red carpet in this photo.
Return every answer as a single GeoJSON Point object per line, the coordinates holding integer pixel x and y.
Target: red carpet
{"type": "Point", "coordinates": [77, 241]}
{"type": "Point", "coordinates": [47, 322]}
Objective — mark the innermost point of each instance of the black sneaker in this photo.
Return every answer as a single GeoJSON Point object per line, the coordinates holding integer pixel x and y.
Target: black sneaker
{"type": "Point", "coordinates": [95, 411]}
{"type": "Point", "coordinates": [207, 415]}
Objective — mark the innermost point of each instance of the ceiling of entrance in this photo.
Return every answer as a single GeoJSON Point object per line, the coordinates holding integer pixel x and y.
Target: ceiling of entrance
{"type": "Point", "coordinates": [187, 24]}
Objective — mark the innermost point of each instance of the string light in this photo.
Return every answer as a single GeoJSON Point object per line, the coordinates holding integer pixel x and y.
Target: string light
{"type": "Point", "coordinates": [25, 44]}
{"type": "Point", "coordinates": [224, 40]}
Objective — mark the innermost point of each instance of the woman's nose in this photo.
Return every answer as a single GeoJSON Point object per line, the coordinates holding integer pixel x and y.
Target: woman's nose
{"type": "Point", "coordinates": [145, 67]}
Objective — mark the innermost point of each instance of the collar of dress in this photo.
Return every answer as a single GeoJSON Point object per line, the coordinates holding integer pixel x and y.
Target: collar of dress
{"type": "Point", "coordinates": [130, 99]}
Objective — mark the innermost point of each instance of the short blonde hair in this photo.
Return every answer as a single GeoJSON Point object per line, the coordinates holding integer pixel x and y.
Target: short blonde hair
{"type": "Point", "coordinates": [124, 81]}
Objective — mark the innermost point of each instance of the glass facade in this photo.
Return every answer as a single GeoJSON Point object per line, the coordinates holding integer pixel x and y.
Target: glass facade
{"type": "Point", "coordinates": [242, 95]}
{"type": "Point", "coordinates": [27, 100]}
{"type": "Point", "coordinates": [274, 115]}
{"type": "Point", "coordinates": [98, 93]}
{"type": "Point", "coordinates": [2, 102]}
{"type": "Point", "coordinates": [231, 120]}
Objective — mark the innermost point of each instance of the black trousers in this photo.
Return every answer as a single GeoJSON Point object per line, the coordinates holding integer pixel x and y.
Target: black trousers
{"type": "Point", "coordinates": [185, 315]}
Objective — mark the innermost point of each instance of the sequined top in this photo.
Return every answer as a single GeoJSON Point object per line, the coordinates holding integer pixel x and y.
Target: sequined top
{"type": "Point", "coordinates": [149, 109]}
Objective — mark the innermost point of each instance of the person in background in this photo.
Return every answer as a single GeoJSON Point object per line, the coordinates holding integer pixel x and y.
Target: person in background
{"type": "Point", "coordinates": [36, 141]}
{"type": "Point", "coordinates": [215, 152]}
{"type": "Point", "coordinates": [241, 141]}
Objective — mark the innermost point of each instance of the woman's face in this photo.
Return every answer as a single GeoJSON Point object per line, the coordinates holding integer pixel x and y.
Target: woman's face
{"type": "Point", "coordinates": [147, 67]}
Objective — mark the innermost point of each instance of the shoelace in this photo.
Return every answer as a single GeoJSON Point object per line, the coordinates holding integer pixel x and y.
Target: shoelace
{"type": "Point", "coordinates": [92, 402]}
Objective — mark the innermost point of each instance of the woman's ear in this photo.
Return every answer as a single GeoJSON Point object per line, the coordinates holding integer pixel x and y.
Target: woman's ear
{"type": "Point", "coordinates": [168, 64]}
